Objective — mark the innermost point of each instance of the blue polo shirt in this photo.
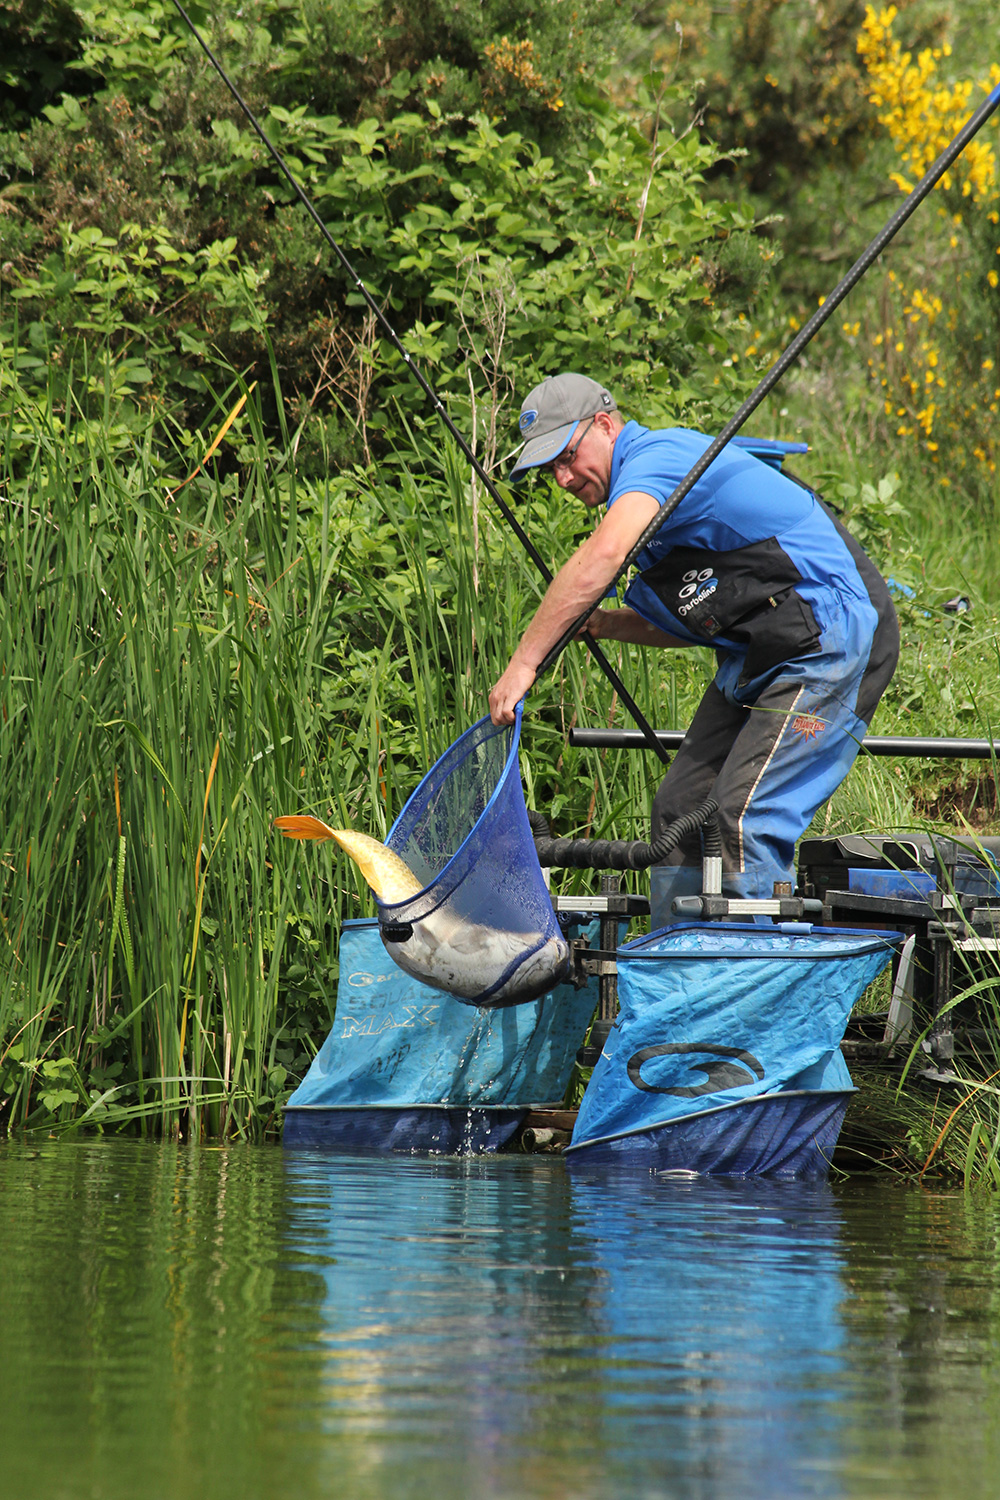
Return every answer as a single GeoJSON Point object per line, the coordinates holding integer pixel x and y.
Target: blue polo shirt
{"type": "Point", "coordinates": [743, 540]}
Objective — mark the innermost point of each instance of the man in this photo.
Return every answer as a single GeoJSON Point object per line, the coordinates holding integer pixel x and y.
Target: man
{"type": "Point", "coordinates": [750, 563]}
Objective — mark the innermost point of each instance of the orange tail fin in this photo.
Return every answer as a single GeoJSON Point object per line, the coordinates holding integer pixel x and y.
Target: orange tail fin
{"type": "Point", "coordinates": [301, 826]}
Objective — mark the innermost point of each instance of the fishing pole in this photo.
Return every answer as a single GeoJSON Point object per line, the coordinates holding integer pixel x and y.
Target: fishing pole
{"type": "Point", "coordinates": [649, 733]}
{"type": "Point", "coordinates": [791, 354]}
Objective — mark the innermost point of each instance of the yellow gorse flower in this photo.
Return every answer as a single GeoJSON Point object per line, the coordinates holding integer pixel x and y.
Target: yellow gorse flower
{"type": "Point", "coordinates": [920, 362]}
{"type": "Point", "coordinates": [921, 113]}
{"type": "Point", "coordinates": [517, 60]}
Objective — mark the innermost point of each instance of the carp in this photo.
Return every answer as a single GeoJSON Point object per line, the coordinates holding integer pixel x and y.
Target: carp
{"type": "Point", "coordinates": [467, 959]}
{"type": "Point", "coordinates": [390, 878]}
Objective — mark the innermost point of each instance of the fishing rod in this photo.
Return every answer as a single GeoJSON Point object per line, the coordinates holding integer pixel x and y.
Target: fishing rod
{"type": "Point", "coordinates": [648, 732]}
{"type": "Point", "coordinates": [791, 354]}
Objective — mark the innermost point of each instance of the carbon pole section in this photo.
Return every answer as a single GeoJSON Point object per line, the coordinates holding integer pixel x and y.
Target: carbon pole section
{"type": "Point", "coordinates": [616, 682]}
{"type": "Point", "coordinates": [904, 746]}
{"type": "Point", "coordinates": [791, 354]}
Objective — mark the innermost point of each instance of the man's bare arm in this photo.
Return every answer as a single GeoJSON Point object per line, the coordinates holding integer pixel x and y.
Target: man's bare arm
{"type": "Point", "coordinates": [625, 625]}
{"type": "Point", "coordinates": [583, 580]}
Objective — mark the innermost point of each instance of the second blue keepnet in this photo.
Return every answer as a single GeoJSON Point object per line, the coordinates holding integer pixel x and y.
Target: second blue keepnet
{"type": "Point", "coordinates": [715, 1013]}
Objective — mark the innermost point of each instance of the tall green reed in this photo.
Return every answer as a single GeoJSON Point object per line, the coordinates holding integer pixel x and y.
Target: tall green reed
{"type": "Point", "coordinates": [158, 674]}
{"type": "Point", "coordinates": [183, 661]}
{"type": "Point", "coordinates": [955, 1131]}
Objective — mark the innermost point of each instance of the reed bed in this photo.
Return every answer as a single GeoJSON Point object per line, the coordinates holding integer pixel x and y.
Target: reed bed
{"type": "Point", "coordinates": [955, 1131]}
{"type": "Point", "coordinates": [180, 663]}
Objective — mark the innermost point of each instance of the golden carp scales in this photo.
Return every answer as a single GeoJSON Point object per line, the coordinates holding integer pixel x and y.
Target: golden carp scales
{"type": "Point", "coordinates": [390, 879]}
{"type": "Point", "coordinates": [467, 959]}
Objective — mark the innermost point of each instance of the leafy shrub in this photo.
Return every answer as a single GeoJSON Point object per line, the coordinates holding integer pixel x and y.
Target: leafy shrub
{"type": "Point", "coordinates": [151, 239]}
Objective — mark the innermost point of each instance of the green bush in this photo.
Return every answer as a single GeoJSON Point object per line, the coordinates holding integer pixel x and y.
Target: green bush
{"type": "Point", "coordinates": [149, 238]}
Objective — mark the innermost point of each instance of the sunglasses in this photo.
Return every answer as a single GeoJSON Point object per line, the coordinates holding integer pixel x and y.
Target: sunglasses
{"type": "Point", "coordinates": [567, 456]}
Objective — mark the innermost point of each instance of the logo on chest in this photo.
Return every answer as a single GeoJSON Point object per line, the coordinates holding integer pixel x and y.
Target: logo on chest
{"type": "Point", "coordinates": [697, 585]}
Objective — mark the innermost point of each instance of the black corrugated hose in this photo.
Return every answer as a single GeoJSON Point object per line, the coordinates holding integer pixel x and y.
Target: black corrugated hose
{"type": "Point", "coordinates": [621, 854]}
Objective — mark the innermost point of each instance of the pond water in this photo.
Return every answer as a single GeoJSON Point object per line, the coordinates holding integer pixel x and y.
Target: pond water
{"type": "Point", "coordinates": [180, 1322]}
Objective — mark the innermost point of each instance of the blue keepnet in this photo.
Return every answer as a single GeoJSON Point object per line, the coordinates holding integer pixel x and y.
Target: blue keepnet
{"type": "Point", "coordinates": [714, 1013]}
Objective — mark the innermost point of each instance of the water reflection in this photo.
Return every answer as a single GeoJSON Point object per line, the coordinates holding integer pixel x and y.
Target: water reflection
{"type": "Point", "coordinates": [619, 1333]}
{"type": "Point", "coordinates": [451, 1318]}
{"type": "Point", "coordinates": [143, 1319]}
{"type": "Point", "coordinates": [722, 1304]}
{"type": "Point", "coordinates": [177, 1322]}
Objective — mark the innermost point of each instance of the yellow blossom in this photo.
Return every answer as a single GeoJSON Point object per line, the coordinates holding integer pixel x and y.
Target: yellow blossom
{"type": "Point", "coordinates": [516, 60]}
{"type": "Point", "coordinates": [921, 112]}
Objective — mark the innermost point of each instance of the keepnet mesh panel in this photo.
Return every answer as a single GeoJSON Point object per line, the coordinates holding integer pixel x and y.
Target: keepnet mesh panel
{"type": "Point", "coordinates": [714, 1013]}
{"type": "Point", "coordinates": [484, 928]}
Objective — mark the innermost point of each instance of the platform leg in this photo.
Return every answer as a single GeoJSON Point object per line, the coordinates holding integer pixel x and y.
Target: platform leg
{"type": "Point", "coordinates": [607, 982]}
{"type": "Point", "coordinates": [941, 1038]}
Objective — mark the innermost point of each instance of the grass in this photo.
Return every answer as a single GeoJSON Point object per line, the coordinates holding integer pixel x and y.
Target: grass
{"type": "Point", "coordinates": [957, 1131]}
{"type": "Point", "coordinates": [147, 733]}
